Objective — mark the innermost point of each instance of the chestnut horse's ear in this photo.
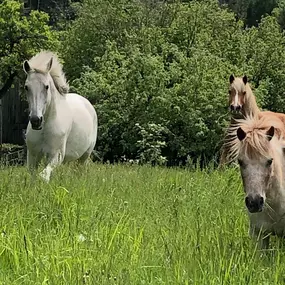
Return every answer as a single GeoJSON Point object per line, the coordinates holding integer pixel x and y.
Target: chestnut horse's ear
{"type": "Point", "coordinates": [26, 66]}
{"type": "Point", "coordinates": [241, 134]}
{"type": "Point", "coordinates": [270, 133]}
{"type": "Point", "coordinates": [232, 78]}
{"type": "Point", "coordinates": [244, 79]}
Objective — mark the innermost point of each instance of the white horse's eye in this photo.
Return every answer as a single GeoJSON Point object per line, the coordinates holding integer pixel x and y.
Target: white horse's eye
{"type": "Point", "coordinates": [26, 87]}
{"type": "Point", "coordinates": [46, 87]}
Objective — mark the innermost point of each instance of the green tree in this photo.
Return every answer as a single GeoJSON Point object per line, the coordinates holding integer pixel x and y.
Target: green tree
{"type": "Point", "coordinates": [20, 37]}
{"type": "Point", "coordinates": [159, 77]}
{"type": "Point", "coordinates": [100, 21]}
{"type": "Point", "coordinates": [173, 76]}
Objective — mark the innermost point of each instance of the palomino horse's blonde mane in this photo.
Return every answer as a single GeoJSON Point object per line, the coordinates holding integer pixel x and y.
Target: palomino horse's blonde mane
{"type": "Point", "coordinates": [39, 64]}
{"type": "Point", "coordinates": [256, 142]}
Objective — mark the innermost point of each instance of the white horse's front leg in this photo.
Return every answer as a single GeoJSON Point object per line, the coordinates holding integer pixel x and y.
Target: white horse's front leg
{"type": "Point", "coordinates": [52, 162]}
{"type": "Point", "coordinates": [32, 162]}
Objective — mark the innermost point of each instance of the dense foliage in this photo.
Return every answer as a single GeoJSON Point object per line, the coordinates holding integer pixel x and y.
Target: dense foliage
{"type": "Point", "coordinates": [20, 37]}
{"type": "Point", "coordinates": [157, 73]}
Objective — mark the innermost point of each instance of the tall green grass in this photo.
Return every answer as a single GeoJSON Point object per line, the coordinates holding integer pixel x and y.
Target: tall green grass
{"type": "Point", "coordinates": [105, 224]}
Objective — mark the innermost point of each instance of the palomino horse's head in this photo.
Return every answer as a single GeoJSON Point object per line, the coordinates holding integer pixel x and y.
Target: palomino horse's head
{"type": "Point", "coordinates": [237, 93]}
{"type": "Point", "coordinates": [38, 87]}
{"type": "Point", "coordinates": [258, 146]}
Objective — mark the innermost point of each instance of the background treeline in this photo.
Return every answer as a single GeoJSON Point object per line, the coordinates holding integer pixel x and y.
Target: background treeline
{"type": "Point", "coordinates": [157, 71]}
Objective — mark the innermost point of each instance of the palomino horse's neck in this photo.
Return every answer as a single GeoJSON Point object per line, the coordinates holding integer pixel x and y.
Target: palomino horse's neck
{"type": "Point", "coordinates": [250, 107]}
{"type": "Point", "coordinates": [276, 192]}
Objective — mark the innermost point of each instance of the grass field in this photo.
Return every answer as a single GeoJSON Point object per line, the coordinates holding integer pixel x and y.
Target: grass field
{"type": "Point", "coordinates": [119, 224]}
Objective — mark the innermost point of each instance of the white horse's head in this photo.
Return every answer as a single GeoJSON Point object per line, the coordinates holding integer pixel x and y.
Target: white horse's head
{"type": "Point", "coordinates": [38, 87]}
{"type": "Point", "coordinates": [258, 145]}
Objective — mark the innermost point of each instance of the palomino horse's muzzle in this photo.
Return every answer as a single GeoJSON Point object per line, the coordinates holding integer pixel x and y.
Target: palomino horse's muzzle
{"type": "Point", "coordinates": [236, 108]}
{"type": "Point", "coordinates": [36, 122]}
{"type": "Point", "coordinates": [254, 204]}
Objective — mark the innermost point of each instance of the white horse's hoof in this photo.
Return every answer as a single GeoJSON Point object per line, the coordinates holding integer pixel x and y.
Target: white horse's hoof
{"type": "Point", "coordinates": [45, 176]}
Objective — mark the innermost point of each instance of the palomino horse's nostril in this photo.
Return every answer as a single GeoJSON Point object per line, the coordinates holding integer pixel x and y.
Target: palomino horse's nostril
{"type": "Point", "coordinates": [247, 202]}
{"type": "Point", "coordinates": [254, 204]}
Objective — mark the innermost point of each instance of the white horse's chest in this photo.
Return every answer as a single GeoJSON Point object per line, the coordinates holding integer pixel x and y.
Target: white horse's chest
{"type": "Point", "coordinates": [47, 139]}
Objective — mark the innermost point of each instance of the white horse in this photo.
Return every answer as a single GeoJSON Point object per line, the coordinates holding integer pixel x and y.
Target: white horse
{"type": "Point", "coordinates": [62, 126]}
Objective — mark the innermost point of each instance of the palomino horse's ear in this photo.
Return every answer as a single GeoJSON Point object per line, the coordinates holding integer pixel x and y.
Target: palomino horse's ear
{"type": "Point", "coordinates": [49, 65]}
{"type": "Point", "coordinates": [270, 133]}
{"type": "Point", "coordinates": [26, 66]}
{"type": "Point", "coordinates": [241, 134]}
{"type": "Point", "coordinates": [232, 78]}
{"type": "Point", "coordinates": [244, 79]}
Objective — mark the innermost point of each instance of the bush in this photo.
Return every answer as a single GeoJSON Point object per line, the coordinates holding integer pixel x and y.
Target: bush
{"type": "Point", "coordinates": [166, 70]}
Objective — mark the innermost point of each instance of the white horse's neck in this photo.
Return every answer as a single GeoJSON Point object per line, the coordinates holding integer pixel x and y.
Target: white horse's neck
{"type": "Point", "coordinates": [51, 110]}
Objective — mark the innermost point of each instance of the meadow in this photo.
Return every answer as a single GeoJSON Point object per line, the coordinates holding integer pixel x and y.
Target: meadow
{"type": "Point", "coordinates": [128, 224]}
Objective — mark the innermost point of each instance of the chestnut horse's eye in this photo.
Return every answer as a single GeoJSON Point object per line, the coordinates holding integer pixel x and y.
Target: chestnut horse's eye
{"type": "Point", "coordinates": [230, 92]}
{"type": "Point", "coordinates": [269, 162]}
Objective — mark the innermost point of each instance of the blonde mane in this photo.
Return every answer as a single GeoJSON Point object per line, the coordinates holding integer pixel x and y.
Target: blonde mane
{"type": "Point", "coordinates": [39, 64]}
{"type": "Point", "coordinates": [256, 142]}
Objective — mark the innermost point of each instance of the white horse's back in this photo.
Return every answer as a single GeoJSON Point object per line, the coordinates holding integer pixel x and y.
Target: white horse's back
{"type": "Point", "coordinates": [84, 122]}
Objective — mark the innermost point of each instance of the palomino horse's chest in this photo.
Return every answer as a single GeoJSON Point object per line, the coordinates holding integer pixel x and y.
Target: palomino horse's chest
{"type": "Point", "coordinates": [270, 222]}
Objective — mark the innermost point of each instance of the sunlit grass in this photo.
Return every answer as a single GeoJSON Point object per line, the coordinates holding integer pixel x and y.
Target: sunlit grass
{"type": "Point", "coordinates": [119, 224]}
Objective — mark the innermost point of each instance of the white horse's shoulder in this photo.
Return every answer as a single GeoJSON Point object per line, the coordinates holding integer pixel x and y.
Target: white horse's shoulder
{"type": "Point", "coordinates": [77, 101]}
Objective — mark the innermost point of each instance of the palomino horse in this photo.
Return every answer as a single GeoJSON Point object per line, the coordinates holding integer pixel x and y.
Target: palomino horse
{"type": "Point", "coordinates": [241, 99]}
{"type": "Point", "coordinates": [258, 145]}
{"type": "Point", "coordinates": [242, 104]}
{"type": "Point", "coordinates": [62, 126]}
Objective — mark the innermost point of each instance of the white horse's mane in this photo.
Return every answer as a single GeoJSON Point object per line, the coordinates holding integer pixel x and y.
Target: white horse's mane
{"type": "Point", "coordinates": [39, 63]}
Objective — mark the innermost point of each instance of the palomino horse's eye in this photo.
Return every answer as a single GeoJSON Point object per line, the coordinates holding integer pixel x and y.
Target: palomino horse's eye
{"type": "Point", "coordinates": [241, 163]}
{"type": "Point", "coordinates": [269, 162]}
{"type": "Point", "coordinates": [244, 92]}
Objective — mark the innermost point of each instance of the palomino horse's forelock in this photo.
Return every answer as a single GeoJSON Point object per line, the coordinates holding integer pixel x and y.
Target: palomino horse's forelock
{"type": "Point", "coordinates": [256, 142]}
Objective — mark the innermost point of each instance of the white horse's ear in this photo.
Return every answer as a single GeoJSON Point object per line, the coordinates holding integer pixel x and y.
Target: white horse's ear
{"type": "Point", "coordinates": [49, 65]}
{"type": "Point", "coordinates": [232, 78]}
{"type": "Point", "coordinates": [241, 134]}
{"type": "Point", "coordinates": [270, 133]}
{"type": "Point", "coordinates": [26, 66]}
